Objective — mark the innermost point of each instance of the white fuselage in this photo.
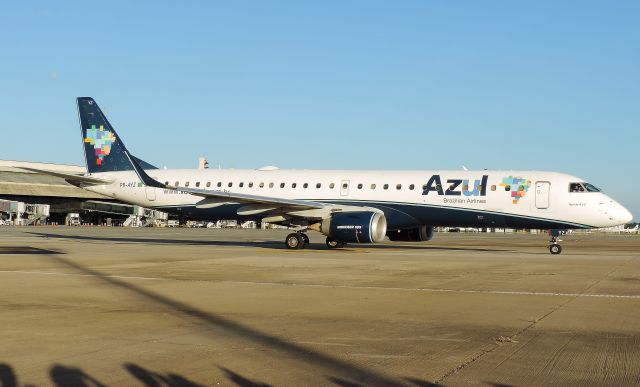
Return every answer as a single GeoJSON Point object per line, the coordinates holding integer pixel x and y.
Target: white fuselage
{"type": "Point", "coordinates": [437, 198]}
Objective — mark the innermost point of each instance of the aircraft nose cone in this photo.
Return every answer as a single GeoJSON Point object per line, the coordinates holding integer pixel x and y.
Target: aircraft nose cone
{"type": "Point", "coordinates": [626, 217]}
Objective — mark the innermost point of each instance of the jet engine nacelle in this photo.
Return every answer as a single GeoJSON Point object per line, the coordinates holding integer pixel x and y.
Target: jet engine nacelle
{"type": "Point", "coordinates": [355, 227]}
{"type": "Point", "coordinates": [420, 234]}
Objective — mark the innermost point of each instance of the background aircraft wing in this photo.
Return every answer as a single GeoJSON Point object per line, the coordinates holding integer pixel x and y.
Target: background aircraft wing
{"type": "Point", "coordinates": [70, 177]}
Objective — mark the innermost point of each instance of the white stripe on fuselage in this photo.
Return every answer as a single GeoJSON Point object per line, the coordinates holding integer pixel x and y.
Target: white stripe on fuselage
{"type": "Point", "coordinates": [586, 208]}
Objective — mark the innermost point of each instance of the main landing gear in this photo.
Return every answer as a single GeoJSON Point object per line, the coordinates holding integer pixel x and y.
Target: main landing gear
{"type": "Point", "coordinates": [333, 244]}
{"type": "Point", "coordinates": [296, 240]}
{"type": "Point", "coordinates": [300, 240]}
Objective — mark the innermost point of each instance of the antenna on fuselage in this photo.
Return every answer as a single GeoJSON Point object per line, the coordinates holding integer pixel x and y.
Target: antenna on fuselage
{"type": "Point", "coordinates": [464, 168]}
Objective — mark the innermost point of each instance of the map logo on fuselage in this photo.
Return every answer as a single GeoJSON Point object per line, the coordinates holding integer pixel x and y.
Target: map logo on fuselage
{"type": "Point", "coordinates": [517, 186]}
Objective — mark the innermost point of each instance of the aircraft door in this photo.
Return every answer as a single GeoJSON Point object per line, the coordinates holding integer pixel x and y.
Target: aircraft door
{"type": "Point", "coordinates": [543, 190]}
{"type": "Point", "coordinates": [344, 188]}
{"type": "Point", "coordinates": [151, 193]}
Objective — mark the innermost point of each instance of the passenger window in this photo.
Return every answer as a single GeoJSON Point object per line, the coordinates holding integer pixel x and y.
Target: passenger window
{"type": "Point", "coordinates": [230, 184]}
{"type": "Point", "coordinates": [186, 183]}
{"type": "Point", "coordinates": [271, 185]}
{"type": "Point", "coordinates": [373, 186]}
{"type": "Point", "coordinates": [359, 186]}
{"type": "Point", "coordinates": [493, 187]}
{"type": "Point", "coordinates": [241, 184]}
{"type": "Point", "coordinates": [412, 186]}
{"type": "Point", "coordinates": [399, 186]}
{"type": "Point", "coordinates": [318, 185]}
{"type": "Point", "coordinates": [465, 187]}
{"type": "Point", "coordinates": [332, 185]}
{"type": "Point", "coordinates": [219, 184]}
{"type": "Point", "coordinates": [197, 184]}
{"type": "Point", "coordinates": [424, 187]}
{"type": "Point", "coordinates": [293, 185]}
{"type": "Point", "coordinates": [250, 184]}
{"type": "Point", "coordinates": [345, 185]}
{"type": "Point", "coordinates": [166, 183]}
{"type": "Point", "coordinates": [305, 185]}
{"type": "Point", "coordinates": [177, 183]}
{"type": "Point", "coordinates": [261, 184]}
{"type": "Point", "coordinates": [281, 185]}
{"type": "Point", "coordinates": [479, 188]}
{"type": "Point", "coordinates": [507, 187]}
{"type": "Point", "coordinates": [386, 186]}
{"type": "Point", "coordinates": [208, 184]}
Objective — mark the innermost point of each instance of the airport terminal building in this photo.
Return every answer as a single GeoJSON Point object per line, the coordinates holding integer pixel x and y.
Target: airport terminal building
{"type": "Point", "coordinates": [28, 198]}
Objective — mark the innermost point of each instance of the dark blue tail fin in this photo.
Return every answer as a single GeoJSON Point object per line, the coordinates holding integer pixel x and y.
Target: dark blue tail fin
{"type": "Point", "coordinates": [103, 148]}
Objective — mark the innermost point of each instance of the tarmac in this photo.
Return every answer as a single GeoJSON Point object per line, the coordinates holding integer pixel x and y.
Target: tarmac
{"type": "Point", "coordinates": [96, 306]}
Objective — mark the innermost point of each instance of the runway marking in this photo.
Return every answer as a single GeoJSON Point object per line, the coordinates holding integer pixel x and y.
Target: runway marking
{"type": "Point", "coordinates": [77, 275]}
{"type": "Point", "coordinates": [320, 286]}
{"type": "Point", "coordinates": [322, 343]}
{"type": "Point", "coordinates": [375, 356]}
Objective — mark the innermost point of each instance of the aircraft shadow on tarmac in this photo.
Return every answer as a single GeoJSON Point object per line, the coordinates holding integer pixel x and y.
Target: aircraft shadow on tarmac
{"type": "Point", "coordinates": [67, 376]}
{"type": "Point", "coordinates": [26, 250]}
{"type": "Point", "coordinates": [273, 245]}
{"type": "Point", "coordinates": [342, 372]}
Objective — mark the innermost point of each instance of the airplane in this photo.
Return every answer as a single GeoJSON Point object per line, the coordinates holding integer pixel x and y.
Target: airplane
{"type": "Point", "coordinates": [621, 230]}
{"type": "Point", "coordinates": [633, 230]}
{"type": "Point", "coordinates": [346, 206]}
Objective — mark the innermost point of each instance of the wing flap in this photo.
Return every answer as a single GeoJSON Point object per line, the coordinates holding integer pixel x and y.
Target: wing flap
{"type": "Point", "coordinates": [235, 197]}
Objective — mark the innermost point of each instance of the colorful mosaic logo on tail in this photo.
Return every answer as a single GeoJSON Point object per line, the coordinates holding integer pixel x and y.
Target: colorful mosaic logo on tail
{"type": "Point", "coordinates": [517, 186]}
{"type": "Point", "coordinates": [102, 140]}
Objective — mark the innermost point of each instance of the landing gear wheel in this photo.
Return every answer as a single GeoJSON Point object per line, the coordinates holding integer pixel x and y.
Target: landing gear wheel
{"type": "Point", "coordinates": [294, 241]}
{"type": "Point", "coordinates": [555, 249]}
{"type": "Point", "coordinates": [332, 243]}
{"type": "Point", "coordinates": [305, 238]}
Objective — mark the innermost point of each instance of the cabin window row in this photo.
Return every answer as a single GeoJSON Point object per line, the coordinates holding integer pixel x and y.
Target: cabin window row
{"type": "Point", "coordinates": [359, 186]}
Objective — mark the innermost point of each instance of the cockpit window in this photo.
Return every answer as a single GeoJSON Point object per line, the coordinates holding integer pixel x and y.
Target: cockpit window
{"type": "Point", "coordinates": [576, 187]}
{"type": "Point", "coordinates": [591, 187]}
{"type": "Point", "coordinates": [583, 187]}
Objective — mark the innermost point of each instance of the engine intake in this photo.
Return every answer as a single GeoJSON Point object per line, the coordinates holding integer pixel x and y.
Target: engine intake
{"type": "Point", "coordinates": [355, 227]}
{"type": "Point", "coordinates": [420, 234]}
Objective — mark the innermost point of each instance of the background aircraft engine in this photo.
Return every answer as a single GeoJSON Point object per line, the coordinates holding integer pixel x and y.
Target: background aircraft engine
{"type": "Point", "coordinates": [355, 227]}
{"type": "Point", "coordinates": [420, 234]}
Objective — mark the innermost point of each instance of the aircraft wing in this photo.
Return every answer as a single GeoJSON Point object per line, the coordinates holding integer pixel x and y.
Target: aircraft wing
{"type": "Point", "coordinates": [70, 177]}
{"type": "Point", "coordinates": [255, 204]}
{"type": "Point", "coordinates": [235, 197]}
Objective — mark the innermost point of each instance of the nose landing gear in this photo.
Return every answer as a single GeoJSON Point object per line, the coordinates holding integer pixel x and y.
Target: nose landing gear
{"type": "Point", "coordinates": [554, 247]}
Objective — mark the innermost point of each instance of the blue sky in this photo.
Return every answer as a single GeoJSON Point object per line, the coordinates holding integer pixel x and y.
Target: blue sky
{"type": "Point", "coordinates": [345, 84]}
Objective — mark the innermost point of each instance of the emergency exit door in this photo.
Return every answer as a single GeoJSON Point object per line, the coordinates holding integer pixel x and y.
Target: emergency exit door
{"type": "Point", "coordinates": [543, 190]}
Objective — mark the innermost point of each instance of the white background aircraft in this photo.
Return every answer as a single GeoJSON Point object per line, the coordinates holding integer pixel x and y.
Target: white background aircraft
{"type": "Point", "coordinates": [346, 206]}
